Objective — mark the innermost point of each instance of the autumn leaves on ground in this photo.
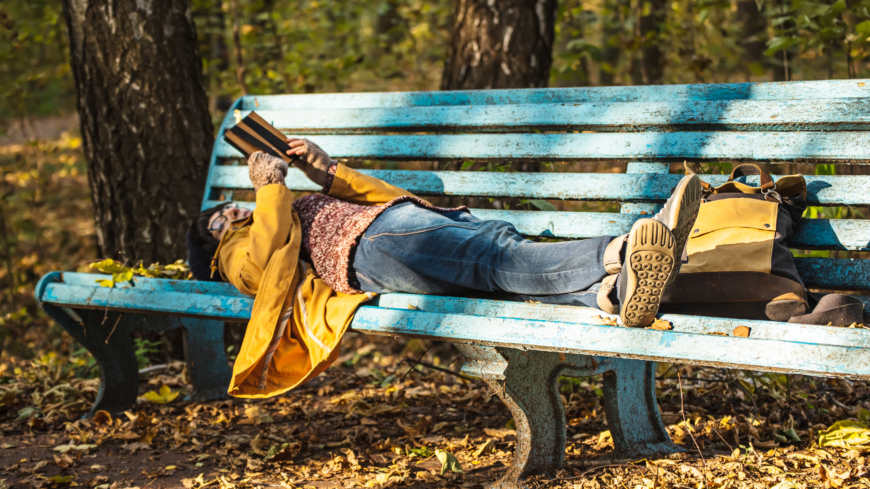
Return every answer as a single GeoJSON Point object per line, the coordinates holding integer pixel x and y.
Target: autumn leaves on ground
{"type": "Point", "coordinates": [383, 416]}
{"type": "Point", "coordinates": [377, 420]}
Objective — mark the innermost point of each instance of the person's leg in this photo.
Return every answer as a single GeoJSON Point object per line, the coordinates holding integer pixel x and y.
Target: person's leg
{"type": "Point", "coordinates": [415, 250]}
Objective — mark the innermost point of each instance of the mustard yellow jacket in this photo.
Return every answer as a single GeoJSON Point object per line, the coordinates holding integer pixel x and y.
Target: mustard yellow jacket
{"type": "Point", "coordinates": [297, 321]}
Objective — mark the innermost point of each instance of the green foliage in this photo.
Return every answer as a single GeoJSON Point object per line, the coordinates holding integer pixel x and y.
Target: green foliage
{"type": "Point", "coordinates": [314, 46]}
{"type": "Point", "coordinates": [822, 30]}
{"type": "Point", "coordinates": [144, 350]}
{"type": "Point", "coordinates": [36, 78]}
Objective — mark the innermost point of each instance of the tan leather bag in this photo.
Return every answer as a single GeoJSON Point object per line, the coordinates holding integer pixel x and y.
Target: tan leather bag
{"type": "Point", "coordinates": [737, 263]}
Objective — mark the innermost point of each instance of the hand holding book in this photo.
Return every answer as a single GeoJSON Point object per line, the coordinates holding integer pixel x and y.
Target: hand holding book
{"type": "Point", "coordinates": [253, 134]}
{"type": "Point", "coordinates": [311, 159]}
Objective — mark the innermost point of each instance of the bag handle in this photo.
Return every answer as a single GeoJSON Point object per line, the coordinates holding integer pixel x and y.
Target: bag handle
{"type": "Point", "coordinates": [752, 169]}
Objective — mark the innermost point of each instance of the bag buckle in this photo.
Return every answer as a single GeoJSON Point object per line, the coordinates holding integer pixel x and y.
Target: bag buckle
{"type": "Point", "coordinates": [772, 194]}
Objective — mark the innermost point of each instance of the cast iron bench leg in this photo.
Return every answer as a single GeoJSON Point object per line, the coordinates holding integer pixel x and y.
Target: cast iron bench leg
{"type": "Point", "coordinates": [527, 383]}
{"type": "Point", "coordinates": [206, 358]}
{"type": "Point", "coordinates": [119, 373]}
{"type": "Point", "coordinates": [632, 410]}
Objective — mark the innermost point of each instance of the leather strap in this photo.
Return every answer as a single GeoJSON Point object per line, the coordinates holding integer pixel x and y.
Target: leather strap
{"type": "Point", "coordinates": [752, 169]}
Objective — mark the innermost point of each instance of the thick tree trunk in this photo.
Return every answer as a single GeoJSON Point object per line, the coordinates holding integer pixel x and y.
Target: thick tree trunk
{"type": "Point", "coordinates": [504, 44]}
{"type": "Point", "coordinates": [144, 119]}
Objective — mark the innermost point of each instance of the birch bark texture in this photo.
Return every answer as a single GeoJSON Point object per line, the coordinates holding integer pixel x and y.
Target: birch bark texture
{"type": "Point", "coordinates": [500, 44]}
{"type": "Point", "coordinates": [146, 130]}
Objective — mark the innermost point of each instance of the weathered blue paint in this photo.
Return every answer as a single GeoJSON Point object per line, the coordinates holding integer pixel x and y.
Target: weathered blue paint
{"type": "Point", "coordinates": [95, 297]}
{"type": "Point", "coordinates": [647, 186]}
{"type": "Point", "coordinates": [519, 349]}
{"type": "Point", "coordinates": [742, 115]}
{"type": "Point", "coordinates": [835, 273]}
{"type": "Point", "coordinates": [733, 91]}
{"type": "Point", "coordinates": [813, 147]}
{"type": "Point", "coordinates": [769, 330]}
{"type": "Point", "coordinates": [639, 344]}
{"type": "Point", "coordinates": [189, 298]}
{"type": "Point", "coordinates": [214, 159]}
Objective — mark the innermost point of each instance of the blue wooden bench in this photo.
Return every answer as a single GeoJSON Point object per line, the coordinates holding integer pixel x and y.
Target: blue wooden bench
{"type": "Point", "coordinates": [521, 348]}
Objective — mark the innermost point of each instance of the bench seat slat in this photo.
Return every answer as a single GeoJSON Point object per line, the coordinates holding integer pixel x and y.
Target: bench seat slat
{"type": "Point", "coordinates": [851, 147]}
{"type": "Point", "coordinates": [821, 189]}
{"type": "Point", "coordinates": [667, 93]}
{"type": "Point", "coordinates": [642, 344]}
{"type": "Point", "coordinates": [733, 115]}
{"type": "Point", "coordinates": [226, 308]}
{"type": "Point", "coordinates": [833, 234]}
{"type": "Point", "coordinates": [557, 328]}
{"type": "Point", "coordinates": [686, 324]}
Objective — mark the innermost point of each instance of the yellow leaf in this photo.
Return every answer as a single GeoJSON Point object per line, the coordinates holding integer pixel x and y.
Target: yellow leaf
{"type": "Point", "coordinates": [124, 275]}
{"type": "Point", "coordinates": [106, 282]}
{"type": "Point", "coordinates": [61, 479]}
{"type": "Point", "coordinates": [448, 462]}
{"type": "Point", "coordinates": [845, 434]}
{"type": "Point", "coordinates": [108, 266]}
{"type": "Point", "coordinates": [163, 396]}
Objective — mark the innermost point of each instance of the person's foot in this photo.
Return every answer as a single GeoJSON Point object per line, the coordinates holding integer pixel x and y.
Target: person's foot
{"type": "Point", "coordinates": [650, 259]}
{"type": "Point", "coordinates": [679, 214]}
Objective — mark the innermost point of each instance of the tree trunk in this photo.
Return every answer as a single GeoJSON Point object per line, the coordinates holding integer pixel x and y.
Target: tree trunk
{"type": "Point", "coordinates": [754, 26]}
{"type": "Point", "coordinates": [504, 44]}
{"type": "Point", "coordinates": [145, 124]}
{"type": "Point", "coordinates": [572, 26]}
{"type": "Point", "coordinates": [653, 62]}
{"type": "Point", "coordinates": [611, 42]}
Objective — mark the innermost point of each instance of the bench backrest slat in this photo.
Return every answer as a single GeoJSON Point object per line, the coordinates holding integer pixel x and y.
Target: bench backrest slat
{"type": "Point", "coordinates": [741, 115]}
{"type": "Point", "coordinates": [821, 189]}
{"type": "Point", "coordinates": [811, 147]}
{"type": "Point", "coordinates": [798, 122]}
{"type": "Point", "coordinates": [736, 91]}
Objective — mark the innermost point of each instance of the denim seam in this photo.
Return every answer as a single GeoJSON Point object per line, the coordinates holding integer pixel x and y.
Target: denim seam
{"type": "Point", "coordinates": [371, 238]}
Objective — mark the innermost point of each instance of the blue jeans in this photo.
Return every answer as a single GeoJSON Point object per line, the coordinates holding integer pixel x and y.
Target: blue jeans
{"type": "Point", "coordinates": [415, 250]}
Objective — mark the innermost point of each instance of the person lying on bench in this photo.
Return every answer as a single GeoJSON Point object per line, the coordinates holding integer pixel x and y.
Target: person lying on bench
{"type": "Point", "coordinates": [362, 236]}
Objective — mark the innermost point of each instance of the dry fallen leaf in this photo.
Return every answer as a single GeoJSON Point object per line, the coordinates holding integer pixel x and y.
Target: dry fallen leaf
{"type": "Point", "coordinates": [742, 332]}
{"type": "Point", "coordinates": [499, 433]}
{"type": "Point", "coordinates": [611, 321]}
{"type": "Point", "coordinates": [661, 325]}
{"type": "Point", "coordinates": [488, 447]}
{"type": "Point", "coordinates": [256, 415]}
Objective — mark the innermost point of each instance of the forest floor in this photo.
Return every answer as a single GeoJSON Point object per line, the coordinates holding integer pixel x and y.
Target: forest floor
{"type": "Point", "coordinates": [376, 420]}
